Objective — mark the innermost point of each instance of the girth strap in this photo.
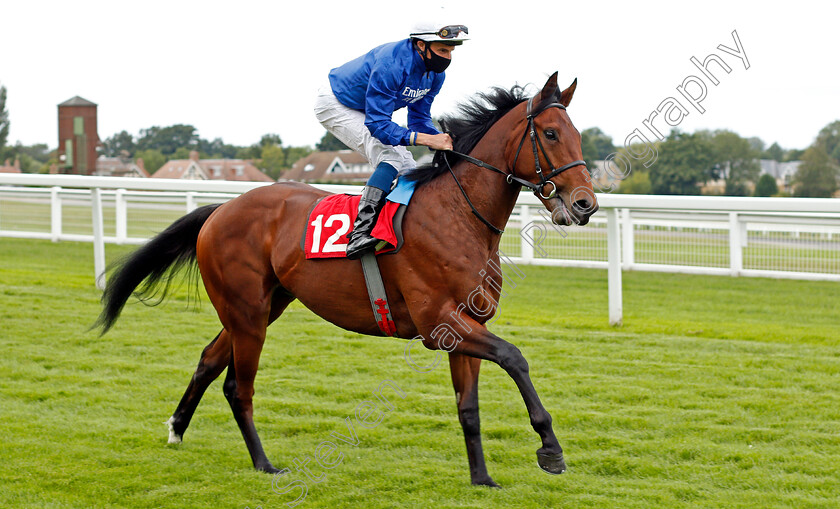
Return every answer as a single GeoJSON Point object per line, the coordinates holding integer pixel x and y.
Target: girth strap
{"type": "Point", "coordinates": [376, 293]}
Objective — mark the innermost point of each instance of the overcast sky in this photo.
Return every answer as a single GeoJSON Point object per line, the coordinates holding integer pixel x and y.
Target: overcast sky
{"type": "Point", "coordinates": [240, 69]}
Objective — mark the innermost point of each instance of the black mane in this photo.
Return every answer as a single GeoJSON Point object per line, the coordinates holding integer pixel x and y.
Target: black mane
{"type": "Point", "coordinates": [472, 122]}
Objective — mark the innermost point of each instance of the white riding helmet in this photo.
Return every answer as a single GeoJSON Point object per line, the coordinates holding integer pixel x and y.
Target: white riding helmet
{"type": "Point", "coordinates": [452, 35]}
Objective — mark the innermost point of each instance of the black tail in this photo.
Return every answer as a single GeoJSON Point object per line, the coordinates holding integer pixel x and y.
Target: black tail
{"type": "Point", "coordinates": [168, 252]}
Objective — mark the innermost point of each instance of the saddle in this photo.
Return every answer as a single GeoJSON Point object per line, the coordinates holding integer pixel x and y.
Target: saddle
{"type": "Point", "coordinates": [325, 236]}
{"type": "Point", "coordinates": [332, 218]}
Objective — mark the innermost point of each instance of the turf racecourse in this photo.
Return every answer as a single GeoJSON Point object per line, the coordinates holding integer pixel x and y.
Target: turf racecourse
{"type": "Point", "coordinates": [717, 392]}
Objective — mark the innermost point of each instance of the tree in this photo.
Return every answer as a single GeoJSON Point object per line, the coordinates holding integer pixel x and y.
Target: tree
{"type": "Point", "coordinates": [253, 152]}
{"type": "Point", "coordinates": [603, 143]}
{"type": "Point", "coordinates": [330, 142]}
{"type": "Point", "coordinates": [829, 138]}
{"type": "Point", "coordinates": [684, 162]}
{"type": "Point", "coordinates": [794, 154]}
{"type": "Point", "coordinates": [638, 182]}
{"type": "Point", "coordinates": [624, 163]}
{"type": "Point", "coordinates": [292, 154]}
{"type": "Point", "coordinates": [216, 149]}
{"type": "Point", "coordinates": [152, 159]}
{"type": "Point", "coordinates": [595, 145]}
{"type": "Point", "coordinates": [817, 175]}
{"type": "Point", "coordinates": [270, 139]}
{"type": "Point", "coordinates": [738, 158]}
{"type": "Point", "coordinates": [168, 139]}
{"type": "Point", "coordinates": [273, 160]}
{"type": "Point", "coordinates": [4, 118]}
{"type": "Point", "coordinates": [33, 158]}
{"type": "Point", "coordinates": [590, 151]}
{"type": "Point", "coordinates": [38, 152]}
{"type": "Point", "coordinates": [756, 143]}
{"type": "Point", "coordinates": [30, 165]}
{"type": "Point", "coordinates": [774, 152]}
{"type": "Point", "coordinates": [119, 144]}
{"type": "Point", "coordinates": [269, 155]}
{"type": "Point", "coordinates": [182, 153]}
{"type": "Point", "coordinates": [766, 186]}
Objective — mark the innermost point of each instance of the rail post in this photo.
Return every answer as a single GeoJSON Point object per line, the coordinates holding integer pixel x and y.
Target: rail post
{"type": "Point", "coordinates": [191, 205]}
{"type": "Point", "coordinates": [614, 267]}
{"type": "Point", "coordinates": [55, 213]}
{"type": "Point", "coordinates": [627, 242]}
{"type": "Point", "coordinates": [121, 208]}
{"type": "Point", "coordinates": [736, 251]}
{"type": "Point", "coordinates": [98, 237]}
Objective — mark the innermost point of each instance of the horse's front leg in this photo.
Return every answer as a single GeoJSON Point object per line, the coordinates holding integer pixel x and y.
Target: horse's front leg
{"type": "Point", "coordinates": [465, 381]}
{"type": "Point", "coordinates": [481, 343]}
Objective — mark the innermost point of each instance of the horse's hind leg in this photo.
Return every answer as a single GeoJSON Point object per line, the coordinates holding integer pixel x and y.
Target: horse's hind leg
{"type": "Point", "coordinates": [465, 380]}
{"type": "Point", "coordinates": [236, 391]}
{"type": "Point", "coordinates": [248, 338]}
{"type": "Point", "coordinates": [214, 359]}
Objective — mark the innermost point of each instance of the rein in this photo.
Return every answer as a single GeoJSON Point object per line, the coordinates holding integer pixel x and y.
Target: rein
{"type": "Point", "coordinates": [478, 162]}
{"type": "Point", "coordinates": [510, 177]}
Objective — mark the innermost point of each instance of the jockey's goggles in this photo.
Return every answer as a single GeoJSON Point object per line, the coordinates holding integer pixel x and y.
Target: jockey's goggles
{"type": "Point", "coordinates": [447, 32]}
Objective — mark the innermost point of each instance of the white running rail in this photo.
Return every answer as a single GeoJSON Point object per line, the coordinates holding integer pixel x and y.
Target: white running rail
{"type": "Point", "coordinates": [766, 237]}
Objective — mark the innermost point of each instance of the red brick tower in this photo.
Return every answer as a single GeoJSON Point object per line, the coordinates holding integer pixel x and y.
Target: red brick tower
{"type": "Point", "coordinates": [77, 137]}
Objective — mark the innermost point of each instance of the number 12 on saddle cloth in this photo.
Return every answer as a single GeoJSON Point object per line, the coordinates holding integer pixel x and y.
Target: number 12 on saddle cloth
{"type": "Point", "coordinates": [332, 219]}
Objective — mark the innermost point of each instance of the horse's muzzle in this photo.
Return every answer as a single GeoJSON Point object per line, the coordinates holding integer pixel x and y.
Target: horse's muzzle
{"type": "Point", "coordinates": [583, 209]}
{"type": "Point", "coordinates": [577, 214]}
{"type": "Point", "coordinates": [560, 214]}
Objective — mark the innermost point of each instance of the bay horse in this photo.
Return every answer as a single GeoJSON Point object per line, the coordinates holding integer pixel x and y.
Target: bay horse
{"type": "Point", "coordinates": [250, 260]}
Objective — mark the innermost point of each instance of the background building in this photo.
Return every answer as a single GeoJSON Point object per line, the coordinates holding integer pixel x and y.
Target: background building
{"type": "Point", "coordinates": [120, 167]}
{"type": "Point", "coordinates": [338, 166]}
{"type": "Point", "coordinates": [77, 136]}
{"type": "Point", "coordinates": [211, 169]}
{"type": "Point", "coordinates": [10, 168]}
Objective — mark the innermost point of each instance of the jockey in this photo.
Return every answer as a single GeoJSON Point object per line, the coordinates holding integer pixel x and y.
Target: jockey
{"type": "Point", "coordinates": [362, 96]}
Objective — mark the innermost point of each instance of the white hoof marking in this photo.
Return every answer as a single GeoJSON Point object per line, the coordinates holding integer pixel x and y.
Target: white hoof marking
{"type": "Point", "coordinates": [174, 438]}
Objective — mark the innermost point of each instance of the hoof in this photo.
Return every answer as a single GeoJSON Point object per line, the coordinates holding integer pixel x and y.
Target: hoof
{"type": "Point", "coordinates": [551, 463]}
{"type": "Point", "coordinates": [269, 469]}
{"type": "Point", "coordinates": [174, 438]}
{"type": "Point", "coordinates": [486, 482]}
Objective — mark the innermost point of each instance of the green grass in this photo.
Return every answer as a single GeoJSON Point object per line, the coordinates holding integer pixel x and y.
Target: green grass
{"type": "Point", "coordinates": [717, 392]}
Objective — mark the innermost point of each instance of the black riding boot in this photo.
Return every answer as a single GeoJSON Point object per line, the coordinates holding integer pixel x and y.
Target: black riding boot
{"type": "Point", "coordinates": [369, 206]}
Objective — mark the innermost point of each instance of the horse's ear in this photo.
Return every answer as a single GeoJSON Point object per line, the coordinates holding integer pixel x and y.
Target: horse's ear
{"type": "Point", "coordinates": [566, 95]}
{"type": "Point", "coordinates": [549, 89]}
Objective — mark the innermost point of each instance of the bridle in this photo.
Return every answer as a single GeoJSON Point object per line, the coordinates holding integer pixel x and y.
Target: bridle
{"type": "Point", "coordinates": [537, 146]}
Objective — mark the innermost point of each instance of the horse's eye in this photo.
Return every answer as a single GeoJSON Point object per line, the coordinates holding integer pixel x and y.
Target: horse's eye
{"type": "Point", "coordinates": [550, 134]}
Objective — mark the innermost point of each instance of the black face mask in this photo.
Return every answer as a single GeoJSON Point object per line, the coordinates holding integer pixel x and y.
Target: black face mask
{"type": "Point", "coordinates": [435, 63]}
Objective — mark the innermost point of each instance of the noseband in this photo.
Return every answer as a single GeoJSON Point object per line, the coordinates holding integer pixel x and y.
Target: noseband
{"type": "Point", "coordinates": [536, 144]}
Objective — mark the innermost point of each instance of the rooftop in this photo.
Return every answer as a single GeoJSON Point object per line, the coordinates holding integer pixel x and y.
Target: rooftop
{"type": "Point", "coordinates": [77, 101]}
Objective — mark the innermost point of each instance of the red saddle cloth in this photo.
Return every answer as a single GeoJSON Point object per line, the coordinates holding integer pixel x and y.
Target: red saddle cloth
{"type": "Point", "coordinates": [332, 219]}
